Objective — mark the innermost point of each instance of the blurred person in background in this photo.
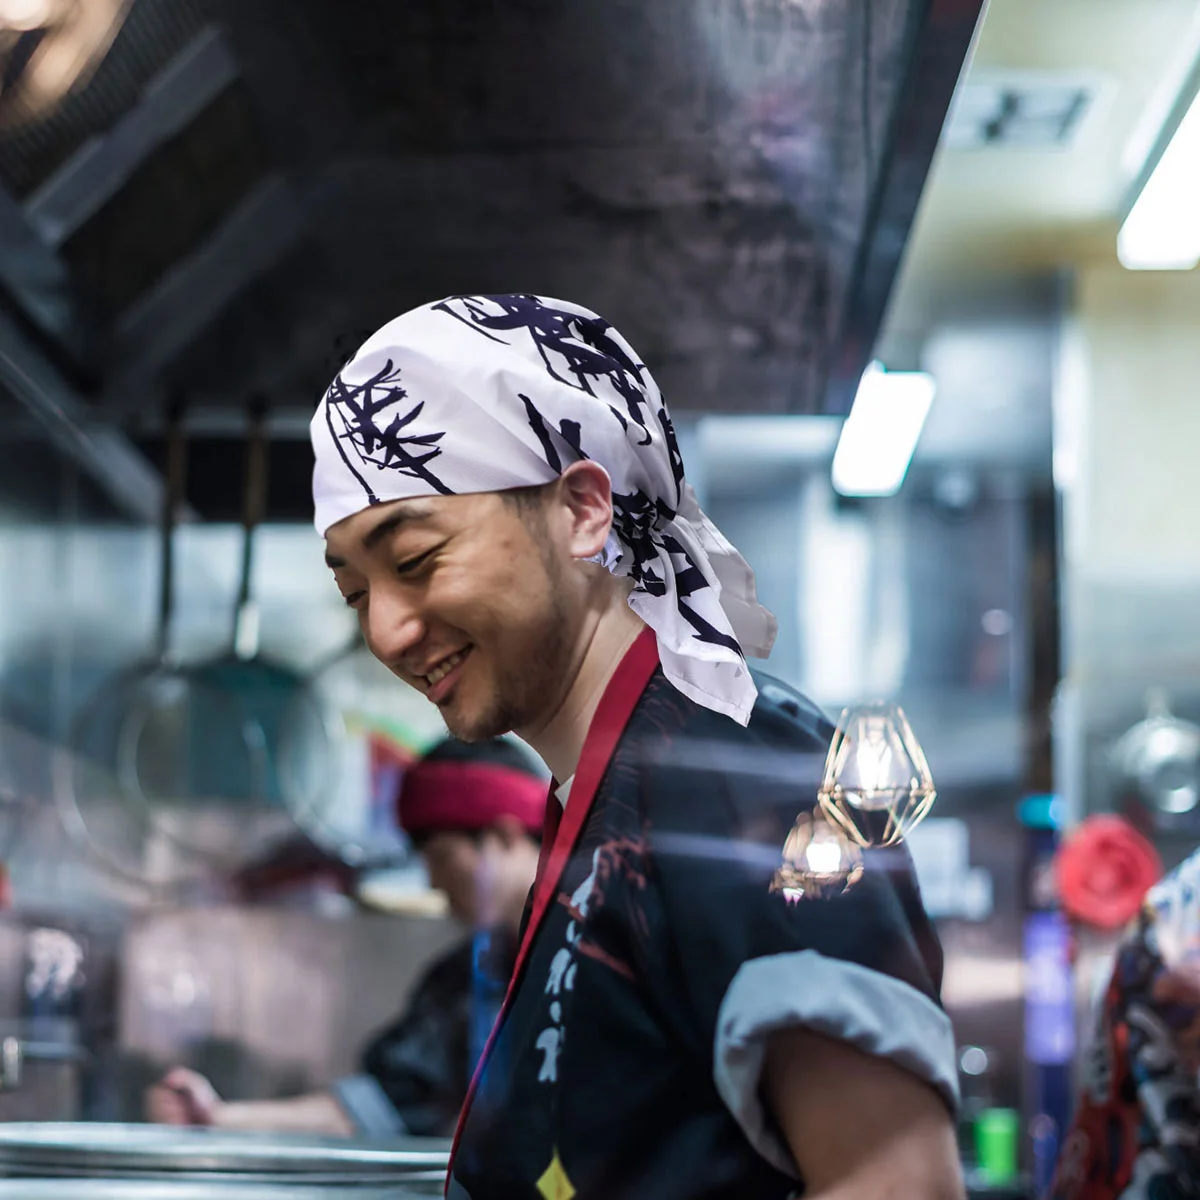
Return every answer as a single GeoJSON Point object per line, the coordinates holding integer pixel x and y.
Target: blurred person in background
{"type": "Point", "coordinates": [474, 812]}
{"type": "Point", "coordinates": [1136, 1130]}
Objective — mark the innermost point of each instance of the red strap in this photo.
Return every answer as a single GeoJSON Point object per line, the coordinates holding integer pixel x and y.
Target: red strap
{"type": "Point", "coordinates": [562, 829]}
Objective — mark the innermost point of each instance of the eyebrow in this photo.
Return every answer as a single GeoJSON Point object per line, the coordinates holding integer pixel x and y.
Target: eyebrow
{"type": "Point", "coordinates": [390, 523]}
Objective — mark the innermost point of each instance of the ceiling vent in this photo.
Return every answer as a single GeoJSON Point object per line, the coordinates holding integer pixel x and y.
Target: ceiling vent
{"type": "Point", "coordinates": [1026, 110]}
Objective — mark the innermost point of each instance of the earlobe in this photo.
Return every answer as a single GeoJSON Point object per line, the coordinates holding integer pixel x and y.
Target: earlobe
{"type": "Point", "coordinates": [587, 491]}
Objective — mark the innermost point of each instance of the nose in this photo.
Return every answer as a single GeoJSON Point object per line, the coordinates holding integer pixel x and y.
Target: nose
{"type": "Point", "coordinates": [392, 625]}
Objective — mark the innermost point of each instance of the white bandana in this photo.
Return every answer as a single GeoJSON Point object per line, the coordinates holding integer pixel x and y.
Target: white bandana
{"type": "Point", "coordinates": [486, 393]}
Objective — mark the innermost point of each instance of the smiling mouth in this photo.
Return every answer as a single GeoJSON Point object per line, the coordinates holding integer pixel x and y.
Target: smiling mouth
{"type": "Point", "coordinates": [443, 668]}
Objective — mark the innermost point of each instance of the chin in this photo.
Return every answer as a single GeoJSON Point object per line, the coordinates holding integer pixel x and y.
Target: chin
{"type": "Point", "coordinates": [479, 729]}
{"type": "Point", "coordinates": [493, 715]}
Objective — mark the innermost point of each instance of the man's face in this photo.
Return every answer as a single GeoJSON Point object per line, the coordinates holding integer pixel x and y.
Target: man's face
{"type": "Point", "coordinates": [461, 597]}
{"type": "Point", "coordinates": [485, 877]}
{"type": "Point", "coordinates": [455, 863]}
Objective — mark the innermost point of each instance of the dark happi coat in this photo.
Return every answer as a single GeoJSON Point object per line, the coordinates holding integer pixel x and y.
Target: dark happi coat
{"type": "Point", "coordinates": [625, 1064]}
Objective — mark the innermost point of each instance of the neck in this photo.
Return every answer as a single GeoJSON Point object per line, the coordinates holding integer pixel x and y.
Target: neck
{"type": "Point", "coordinates": [560, 740]}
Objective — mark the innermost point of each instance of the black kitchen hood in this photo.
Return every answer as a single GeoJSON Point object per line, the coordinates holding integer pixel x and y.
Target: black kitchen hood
{"type": "Point", "coordinates": [243, 190]}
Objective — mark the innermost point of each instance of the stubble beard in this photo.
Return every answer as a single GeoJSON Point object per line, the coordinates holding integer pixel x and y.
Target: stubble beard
{"type": "Point", "coordinates": [523, 695]}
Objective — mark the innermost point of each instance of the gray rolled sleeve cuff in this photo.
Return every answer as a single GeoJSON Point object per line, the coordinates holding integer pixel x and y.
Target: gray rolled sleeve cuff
{"type": "Point", "coordinates": [875, 1013]}
{"type": "Point", "coordinates": [368, 1107]}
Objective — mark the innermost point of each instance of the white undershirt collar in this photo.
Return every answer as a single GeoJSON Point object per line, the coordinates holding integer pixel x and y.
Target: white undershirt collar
{"type": "Point", "coordinates": [563, 791]}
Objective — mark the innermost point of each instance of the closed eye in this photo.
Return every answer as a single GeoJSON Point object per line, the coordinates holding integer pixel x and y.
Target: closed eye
{"type": "Point", "coordinates": [411, 564]}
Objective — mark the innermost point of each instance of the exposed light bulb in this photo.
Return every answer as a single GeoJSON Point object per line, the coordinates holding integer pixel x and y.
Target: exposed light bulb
{"type": "Point", "coordinates": [819, 861]}
{"type": "Point", "coordinates": [873, 757]}
{"type": "Point", "coordinates": [877, 785]}
{"type": "Point", "coordinates": [823, 857]}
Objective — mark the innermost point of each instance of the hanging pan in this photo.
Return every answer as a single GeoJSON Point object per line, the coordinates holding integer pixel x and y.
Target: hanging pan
{"type": "Point", "coordinates": [246, 714]}
{"type": "Point", "coordinates": [95, 803]}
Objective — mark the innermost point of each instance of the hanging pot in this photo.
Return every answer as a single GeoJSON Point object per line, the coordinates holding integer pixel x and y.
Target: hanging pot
{"type": "Point", "coordinates": [1160, 758]}
{"type": "Point", "coordinates": [98, 809]}
{"type": "Point", "coordinates": [258, 741]}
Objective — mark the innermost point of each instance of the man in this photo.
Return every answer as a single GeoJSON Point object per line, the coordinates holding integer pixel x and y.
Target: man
{"type": "Point", "coordinates": [474, 812]}
{"type": "Point", "coordinates": [504, 505]}
{"type": "Point", "coordinates": [1136, 1131]}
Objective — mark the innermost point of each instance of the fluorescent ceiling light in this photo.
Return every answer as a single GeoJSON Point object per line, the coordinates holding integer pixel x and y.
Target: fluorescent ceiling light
{"type": "Point", "coordinates": [1162, 231]}
{"type": "Point", "coordinates": [881, 432]}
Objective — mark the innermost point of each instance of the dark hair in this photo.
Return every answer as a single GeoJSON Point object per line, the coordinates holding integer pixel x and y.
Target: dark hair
{"type": "Point", "coordinates": [526, 500]}
{"type": "Point", "coordinates": [498, 752]}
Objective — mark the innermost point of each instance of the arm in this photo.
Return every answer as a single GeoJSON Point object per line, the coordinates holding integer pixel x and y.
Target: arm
{"type": "Point", "coordinates": [862, 969]}
{"type": "Point", "coordinates": [317, 1112]}
{"type": "Point", "coordinates": [184, 1097]}
{"type": "Point", "coordinates": [859, 1127]}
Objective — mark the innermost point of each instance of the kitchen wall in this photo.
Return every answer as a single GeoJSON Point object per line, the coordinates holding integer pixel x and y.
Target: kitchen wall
{"type": "Point", "coordinates": [1127, 427]}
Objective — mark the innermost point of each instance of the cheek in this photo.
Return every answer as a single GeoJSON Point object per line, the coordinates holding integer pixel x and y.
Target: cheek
{"type": "Point", "coordinates": [464, 870]}
{"type": "Point", "coordinates": [490, 595]}
{"type": "Point", "coordinates": [437, 875]}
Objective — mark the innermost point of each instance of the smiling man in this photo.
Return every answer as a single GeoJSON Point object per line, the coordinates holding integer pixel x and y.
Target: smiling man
{"type": "Point", "coordinates": [504, 505]}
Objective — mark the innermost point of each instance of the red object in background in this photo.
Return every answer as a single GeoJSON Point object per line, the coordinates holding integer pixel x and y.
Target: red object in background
{"type": "Point", "coordinates": [390, 761]}
{"type": "Point", "coordinates": [469, 796]}
{"type": "Point", "coordinates": [1104, 869]}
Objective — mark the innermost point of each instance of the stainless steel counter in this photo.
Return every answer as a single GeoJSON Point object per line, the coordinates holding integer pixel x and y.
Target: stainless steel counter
{"type": "Point", "coordinates": [162, 1189]}
{"type": "Point", "coordinates": [166, 1155]}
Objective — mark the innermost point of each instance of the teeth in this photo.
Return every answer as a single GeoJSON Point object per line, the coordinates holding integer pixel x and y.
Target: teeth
{"type": "Point", "coordinates": [444, 668]}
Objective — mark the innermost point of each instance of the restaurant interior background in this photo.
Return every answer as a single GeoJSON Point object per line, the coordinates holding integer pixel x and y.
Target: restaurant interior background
{"type": "Point", "coordinates": [765, 196]}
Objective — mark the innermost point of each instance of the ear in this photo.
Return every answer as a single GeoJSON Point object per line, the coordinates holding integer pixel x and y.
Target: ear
{"type": "Point", "coordinates": [585, 491]}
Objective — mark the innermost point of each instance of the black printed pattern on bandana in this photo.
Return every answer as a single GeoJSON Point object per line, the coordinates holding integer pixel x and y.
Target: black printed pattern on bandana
{"type": "Point", "coordinates": [580, 351]}
{"type": "Point", "coordinates": [356, 415]}
{"type": "Point", "coordinates": [558, 335]}
{"type": "Point", "coordinates": [569, 431]}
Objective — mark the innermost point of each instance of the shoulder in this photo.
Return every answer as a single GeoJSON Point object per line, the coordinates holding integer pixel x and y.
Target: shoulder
{"type": "Point", "coordinates": [782, 716]}
{"type": "Point", "coordinates": [697, 766]}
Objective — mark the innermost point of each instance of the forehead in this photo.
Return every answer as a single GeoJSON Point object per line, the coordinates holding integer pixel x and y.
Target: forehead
{"type": "Point", "coordinates": [365, 530]}
{"type": "Point", "coordinates": [448, 841]}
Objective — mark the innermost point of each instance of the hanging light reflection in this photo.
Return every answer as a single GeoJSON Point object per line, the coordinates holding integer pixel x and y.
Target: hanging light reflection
{"type": "Point", "coordinates": [819, 861]}
{"type": "Point", "coordinates": [877, 785]}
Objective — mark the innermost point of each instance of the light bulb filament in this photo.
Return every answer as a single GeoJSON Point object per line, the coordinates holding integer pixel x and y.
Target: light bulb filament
{"type": "Point", "coordinates": [823, 857]}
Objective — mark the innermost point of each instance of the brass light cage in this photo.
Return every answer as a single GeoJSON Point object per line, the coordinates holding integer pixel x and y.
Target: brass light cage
{"type": "Point", "coordinates": [819, 861]}
{"type": "Point", "coordinates": [877, 785]}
